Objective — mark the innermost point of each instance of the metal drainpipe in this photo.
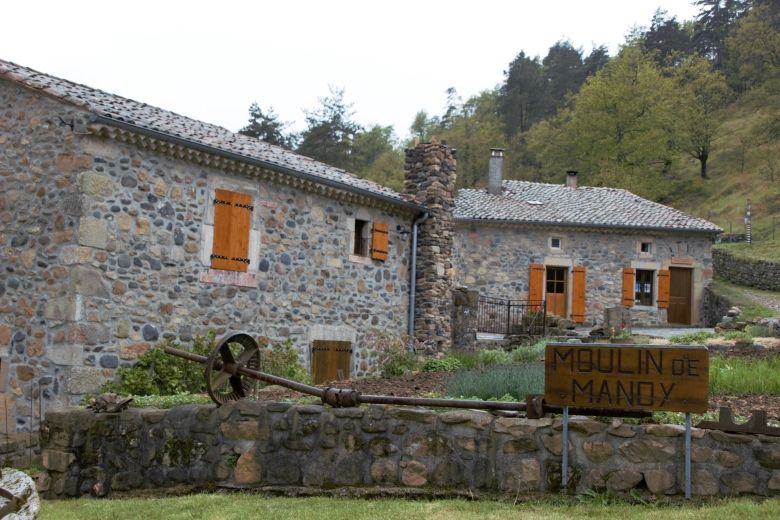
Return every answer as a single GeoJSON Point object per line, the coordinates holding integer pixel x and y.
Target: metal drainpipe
{"type": "Point", "coordinates": [413, 283]}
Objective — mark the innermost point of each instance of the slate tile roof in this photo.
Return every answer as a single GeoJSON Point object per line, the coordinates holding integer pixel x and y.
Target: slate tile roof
{"type": "Point", "coordinates": [145, 116]}
{"type": "Point", "coordinates": [556, 204]}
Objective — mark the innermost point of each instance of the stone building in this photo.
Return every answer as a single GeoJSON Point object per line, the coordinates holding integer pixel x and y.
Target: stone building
{"type": "Point", "coordinates": [582, 249]}
{"type": "Point", "coordinates": [122, 224]}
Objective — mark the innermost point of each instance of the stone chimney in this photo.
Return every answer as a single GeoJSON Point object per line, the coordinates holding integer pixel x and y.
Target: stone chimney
{"type": "Point", "coordinates": [495, 171]}
{"type": "Point", "coordinates": [430, 179]}
{"type": "Point", "coordinates": [571, 179]}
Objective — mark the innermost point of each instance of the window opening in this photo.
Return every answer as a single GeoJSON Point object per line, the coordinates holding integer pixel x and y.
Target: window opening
{"type": "Point", "coordinates": [643, 287]}
{"type": "Point", "coordinates": [555, 243]}
{"type": "Point", "coordinates": [361, 238]}
{"type": "Point", "coordinates": [646, 247]}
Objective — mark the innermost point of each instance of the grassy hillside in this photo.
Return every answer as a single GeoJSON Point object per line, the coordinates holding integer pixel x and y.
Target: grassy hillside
{"type": "Point", "coordinates": [744, 162]}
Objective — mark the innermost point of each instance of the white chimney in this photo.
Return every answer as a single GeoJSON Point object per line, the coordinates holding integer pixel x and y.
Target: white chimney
{"type": "Point", "coordinates": [571, 178]}
{"type": "Point", "coordinates": [495, 171]}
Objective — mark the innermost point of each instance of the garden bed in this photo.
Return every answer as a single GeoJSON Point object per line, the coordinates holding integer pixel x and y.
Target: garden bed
{"type": "Point", "coordinates": [424, 384]}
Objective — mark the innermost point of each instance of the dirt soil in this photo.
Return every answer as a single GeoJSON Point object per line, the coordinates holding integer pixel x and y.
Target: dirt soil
{"type": "Point", "coordinates": [424, 383]}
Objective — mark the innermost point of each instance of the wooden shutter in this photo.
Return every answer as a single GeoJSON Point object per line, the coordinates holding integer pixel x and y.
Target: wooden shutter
{"type": "Point", "coordinates": [629, 274]}
{"type": "Point", "coordinates": [535, 284]}
{"type": "Point", "coordinates": [578, 294]}
{"type": "Point", "coordinates": [232, 223]}
{"type": "Point", "coordinates": [379, 241]}
{"type": "Point", "coordinates": [328, 358]}
{"type": "Point", "coordinates": [663, 289]}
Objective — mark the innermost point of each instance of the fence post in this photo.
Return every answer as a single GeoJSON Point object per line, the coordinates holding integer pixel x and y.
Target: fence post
{"type": "Point", "coordinates": [508, 317]}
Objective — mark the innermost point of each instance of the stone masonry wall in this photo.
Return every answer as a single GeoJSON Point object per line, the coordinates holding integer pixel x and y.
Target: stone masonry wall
{"type": "Point", "coordinates": [494, 259]}
{"type": "Point", "coordinates": [387, 449]}
{"type": "Point", "coordinates": [430, 177]}
{"type": "Point", "coordinates": [760, 274]}
{"type": "Point", "coordinates": [105, 252]}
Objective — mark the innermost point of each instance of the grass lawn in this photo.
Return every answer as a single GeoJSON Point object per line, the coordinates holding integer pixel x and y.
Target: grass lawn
{"type": "Point", "coordinates": [768, 250]}
{"type": "Point", "coordinates": [241, 506]}
{"type": "Point", "coordinates": [746, 298]}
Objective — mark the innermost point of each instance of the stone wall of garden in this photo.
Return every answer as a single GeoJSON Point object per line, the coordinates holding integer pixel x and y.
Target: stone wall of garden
{"type": "Point", "coordinates": [494, 259]}
{"type": "Point", "coordinates": [105, 244]}
{"type": "Point", "coordinates": [279, 446]}
{"type": "Point", "coordinates": [753, 273]}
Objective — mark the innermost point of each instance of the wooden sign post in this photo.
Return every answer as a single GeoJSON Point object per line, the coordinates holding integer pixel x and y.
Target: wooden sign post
{"type": "Point", "coordinates": [627, 378]}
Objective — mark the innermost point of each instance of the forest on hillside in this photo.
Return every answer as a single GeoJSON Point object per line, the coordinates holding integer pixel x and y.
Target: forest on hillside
{"type": "Point", "coordinates": [687, 113]}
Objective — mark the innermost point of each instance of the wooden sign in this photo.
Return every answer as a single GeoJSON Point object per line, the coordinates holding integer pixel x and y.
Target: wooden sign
{"type": "Point", "coordinates": [627, 377]}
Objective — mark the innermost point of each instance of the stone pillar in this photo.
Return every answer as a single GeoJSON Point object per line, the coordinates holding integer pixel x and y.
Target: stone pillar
{"type": "Point", "coordinates": [430, 179]}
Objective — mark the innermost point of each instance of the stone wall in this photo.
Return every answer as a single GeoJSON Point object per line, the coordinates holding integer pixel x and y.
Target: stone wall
{"type": "Point", "coordinates": [386, 449]}
{"type": "Point", "coordinates": [715, 307]}
{"type": "Point", "coordinates": [430, 178]}
{"type": "Point", "coordinates": [754, 273]}
{"type": "Point", "coordinates": [494, 259]}
{"type": "Point", "coordinates": [105, 243]}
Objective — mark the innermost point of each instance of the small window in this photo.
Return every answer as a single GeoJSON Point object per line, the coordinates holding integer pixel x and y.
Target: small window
{"type": "Point", "coordinates": [643, 287]}
{"type": "Point", "coordinates": [646, 247]}
{"type": "Point", "coordinates": [361, 238]}
{"type": "Point", "coordinates": [555, 243]}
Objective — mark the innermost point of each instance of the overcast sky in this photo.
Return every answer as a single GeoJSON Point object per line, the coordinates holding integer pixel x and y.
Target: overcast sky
{"type": "Point", "coordinates": [211, 59]}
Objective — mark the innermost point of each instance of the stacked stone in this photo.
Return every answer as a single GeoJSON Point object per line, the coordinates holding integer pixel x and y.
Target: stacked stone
{"type": "Point", "coordinates": [384, 449]}
{"type": "Point", "coordinates": [754, 273]}
{"type": "Point", "coordinates": [430, 179]}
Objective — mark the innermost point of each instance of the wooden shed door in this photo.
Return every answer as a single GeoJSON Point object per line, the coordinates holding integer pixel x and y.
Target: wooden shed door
{"type": "Point", "coordinates": [555, 296]}
{"type": "Point", "coordinates": [328, 358]}
{"type": "Point", "coordinates": [679, 296]}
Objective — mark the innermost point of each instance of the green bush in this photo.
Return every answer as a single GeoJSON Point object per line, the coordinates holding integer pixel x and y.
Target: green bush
{"type": "Point", "coordinates": [530, 353]}
{"type": "Point", "coordinates": [467, 360]}
{"type": "Point", "coordinates": [737, 335]}
{"type": "Point", "coordinates": [694, 338]}
{"type": "Point", "coordinates": [158, 373]}
{"type": "Point", "coordinates": [446, 364]}
{"type": "Point", "coordinates": [494, 357]}
{"type": "Point", "coordinates": [281, 359]}
{"type": "Point", "coordinates": [497, 381]}
{"type": "Point", "coordinates": [168, 401]}
{"type": "Point", "coordinates": [396, 354]}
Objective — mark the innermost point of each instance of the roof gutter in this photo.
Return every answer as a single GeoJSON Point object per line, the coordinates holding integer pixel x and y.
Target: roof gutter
{"type": "Point", "coordinates": [586, 225]}
{"type": "Point", "coordinates": [255, 162]}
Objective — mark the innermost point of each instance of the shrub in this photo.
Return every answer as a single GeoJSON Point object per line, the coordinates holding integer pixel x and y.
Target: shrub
{"type": "Point", "coordinates": [446, 364]}
{"type": "Point", "coordinates": [494, 357]}
{"type": "Point", "coordinates": [158, 373]}
{"type": "Point", "coordinates": [695, 338]}
{"type": "Point", "coordinates": [495, 382]}
{"type": "Point", "coordinates": [737, 335]}
{"type": "Point", "coordinates": [530, 353]}
{"type": "Point", "coordinates": [467, 359]}
{"type": "Point", "coordinates": [396, 354]}
{"type": "Point", "coordinates": [281, 359]}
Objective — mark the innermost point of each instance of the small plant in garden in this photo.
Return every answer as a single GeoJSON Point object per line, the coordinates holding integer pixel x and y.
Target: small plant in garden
{"type": "Point", "coordinates": [168, 401]}
{"type": "Point", "coordinates": [281, 359]}
{"type": "Point", "coordinates": [737, 335]}
{"type": "Point", "coordinates": [446, 364]}
{"type": "Point", "coordinates": [495, 382]}
{"type": "Point", "coordinates": [694, 338]}
{"type": "Point", "coordinates": [157, 373]}
{"type": "Point", "coordinates": [530, 353]}
{"type": "Point", "coordinates": [396, 354]}
{"type": "Point", "coordinates": [494, 357]}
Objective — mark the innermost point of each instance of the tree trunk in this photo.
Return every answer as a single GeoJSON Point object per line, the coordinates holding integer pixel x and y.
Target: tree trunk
{"type": "Point", "coordinates": [703, 161]}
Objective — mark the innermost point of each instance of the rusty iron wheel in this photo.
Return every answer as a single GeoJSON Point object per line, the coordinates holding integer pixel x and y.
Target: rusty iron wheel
{"type": "Point", "coordinates": [223, 383]}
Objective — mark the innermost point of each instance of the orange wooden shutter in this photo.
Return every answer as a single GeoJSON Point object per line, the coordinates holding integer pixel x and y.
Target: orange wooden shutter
{"type": "Point", "coordinates": [663, 289]}
{"type": "Point", "coordinates": [629, 274]}
{"type": "Point", "coordinates": [578, 294]}
{"type": "Point", "coordinates": [535, 284]}
{"type": "Point", "coordinates": [232, 222]}
{"type": "Point", "coordinates": [379, 241]}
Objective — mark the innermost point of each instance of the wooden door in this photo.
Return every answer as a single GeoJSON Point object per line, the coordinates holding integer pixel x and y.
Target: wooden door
{"type": "Point", "coordinates": [330, 360]}
{"type": "Point", "coordinates": [555, 294]}
{"type": "Point", "coordinates": [679, 296]}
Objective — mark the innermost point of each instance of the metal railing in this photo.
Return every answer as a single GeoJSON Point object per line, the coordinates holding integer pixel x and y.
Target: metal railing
{"type": "Point", "coordinates": [503, 316]}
